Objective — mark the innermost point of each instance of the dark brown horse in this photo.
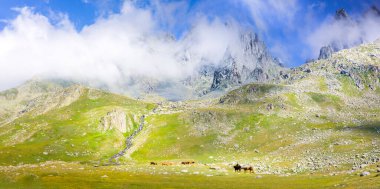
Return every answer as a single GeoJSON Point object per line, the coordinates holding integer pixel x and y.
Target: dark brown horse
{"type": "Point", "coordinates": [237, 167]}
{"type": "Point", "coordinates": [187, 162]}
{"type": "Point", "coordinates": [153, 163]}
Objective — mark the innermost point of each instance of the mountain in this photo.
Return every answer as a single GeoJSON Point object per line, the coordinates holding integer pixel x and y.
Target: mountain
{"type": "Point", "coordinates": [328, 107]}
{"type": "Point", "coordinates": [250, 61]}
{"type": "Point", "coordinates": [245, 60]}
{"type": "Point", "coordinates": [322, 117]}
{"type": "Point", "coordinates": [343, 21]}
{"type": "Point", "coordinates": [253, 64]}
{"type": "Point", "coordinates": [314, 121]}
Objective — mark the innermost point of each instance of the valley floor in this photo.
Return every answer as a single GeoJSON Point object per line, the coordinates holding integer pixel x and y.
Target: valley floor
{"type": "Point", "coordinates": [75, 175]}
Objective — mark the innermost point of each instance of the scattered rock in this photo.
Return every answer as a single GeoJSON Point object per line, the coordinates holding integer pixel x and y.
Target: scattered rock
{"type": "Point", "coordinates": [344, 72]}
{"type": "Point", "coordinates": [365, 173]}
{"type": "Point", "coordinates": [215, 168]}
{"type": "Point", "coordinates": [270, 106]}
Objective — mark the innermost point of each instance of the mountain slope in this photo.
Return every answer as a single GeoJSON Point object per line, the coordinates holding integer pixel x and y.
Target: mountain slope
{"type": "Point", "coordinates": [319, 118]}
{"type": "Point", "coordinates": [73, 124]}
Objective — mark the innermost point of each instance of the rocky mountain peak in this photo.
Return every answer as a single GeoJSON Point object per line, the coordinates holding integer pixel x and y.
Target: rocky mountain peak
{"type": "Point", "coordinates": [253, 63]}
{"type": "Point", "coordinates": [341, 14]}
{"type": "Point", "coordinates": [341, 18]}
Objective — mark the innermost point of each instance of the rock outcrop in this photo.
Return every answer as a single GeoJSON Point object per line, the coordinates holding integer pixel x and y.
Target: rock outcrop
{"type": "Point", "coordinates": [226, 76]}
{"type": "Point", "coordinates": [115, 119]}
{"type": "Point", "coordinates": [325, 52]}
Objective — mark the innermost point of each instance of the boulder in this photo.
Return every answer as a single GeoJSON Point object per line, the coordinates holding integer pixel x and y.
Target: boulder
{"type": "Point", "coordinates": [365, 173]}
{"type": "Point", "coordinates": [115, 119]}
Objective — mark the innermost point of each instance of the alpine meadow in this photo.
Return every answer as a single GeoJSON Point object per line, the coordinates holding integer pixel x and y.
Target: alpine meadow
{"type": "Point", "coordinates": [190, 94]}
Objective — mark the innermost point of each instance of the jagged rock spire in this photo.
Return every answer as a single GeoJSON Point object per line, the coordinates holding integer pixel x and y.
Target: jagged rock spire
{"type": "Point", "coordinates": [341, 14]}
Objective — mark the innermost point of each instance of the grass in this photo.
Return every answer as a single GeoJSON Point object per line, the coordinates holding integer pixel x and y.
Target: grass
{"type": "Point", "coordinates": [225, 135]}
{"type": "Point", "coordinates": [348, 86]}
{"type": "Point", "coordinates": [322, 84]}
{"type": "Point", "coordinates": [292, 100]}
{"type": "Point", "coordinates": [62, 175]}
{"type": "Point", "coordinates": [326, 100]}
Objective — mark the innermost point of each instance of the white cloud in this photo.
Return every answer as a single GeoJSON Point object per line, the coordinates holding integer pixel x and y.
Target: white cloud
{"type": "Point", "coordinates": [110, 50]}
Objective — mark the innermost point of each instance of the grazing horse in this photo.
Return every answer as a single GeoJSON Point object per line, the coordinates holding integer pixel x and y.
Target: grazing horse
{"type": "Point", "coordinates": [237, 167]}
{"type": "Point", "coordinates": [167, 163]}
{"type": "Point", "coordinates": [187, 162]}
{"type": "Point", "coordinates": [249, 168]}
{"type": "Point", "coordinates": [153, 163]}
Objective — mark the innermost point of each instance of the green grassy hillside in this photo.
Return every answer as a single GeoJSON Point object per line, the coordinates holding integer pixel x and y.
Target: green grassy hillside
{"type": "Point", "coordinates": [68, 133]}
{"type": "Point", "coordinates": [322, 119]}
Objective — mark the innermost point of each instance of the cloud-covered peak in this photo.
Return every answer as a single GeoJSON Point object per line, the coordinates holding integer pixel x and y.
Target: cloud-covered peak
{"type": "Point", "coordinates": [342, 31]}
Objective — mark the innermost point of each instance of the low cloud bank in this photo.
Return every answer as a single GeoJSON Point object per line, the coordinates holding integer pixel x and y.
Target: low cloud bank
{"type": "Point", "coordinates": [110, 51]}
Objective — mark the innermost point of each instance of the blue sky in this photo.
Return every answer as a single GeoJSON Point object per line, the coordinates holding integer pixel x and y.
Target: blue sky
{"type": "Point", "coordinates": [284, 38]}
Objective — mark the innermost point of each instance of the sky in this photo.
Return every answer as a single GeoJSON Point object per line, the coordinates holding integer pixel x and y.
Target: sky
{"type": "Point", "coordinates": [105, 36]}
